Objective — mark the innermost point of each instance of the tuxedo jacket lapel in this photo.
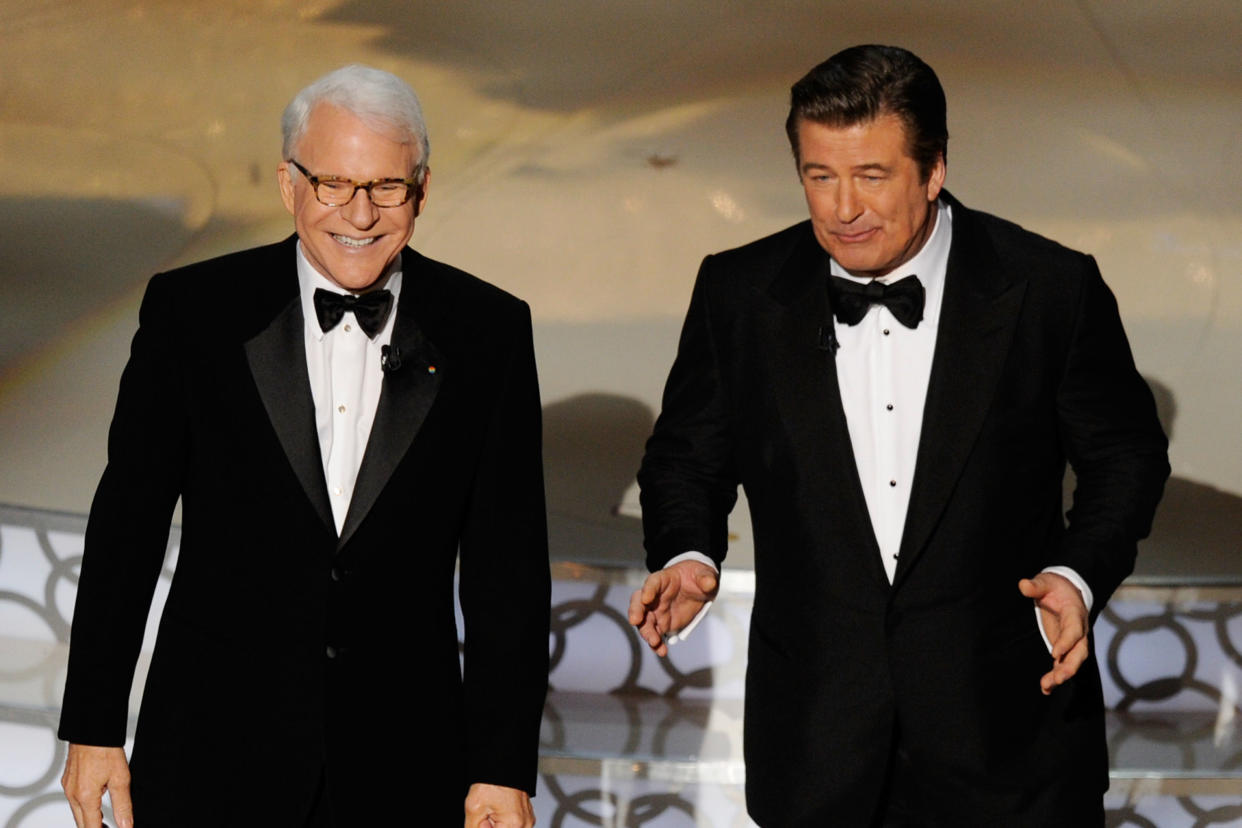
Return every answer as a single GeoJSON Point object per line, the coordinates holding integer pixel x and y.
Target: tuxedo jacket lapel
{"type": "Point", "coordinates": [809, 399]}
{"type": "Point", "coordinates": [978, 317]}
{"type": "Point", "coordinates": [277, 357]}
{"type": "Point", "coordinates": [405, 399]}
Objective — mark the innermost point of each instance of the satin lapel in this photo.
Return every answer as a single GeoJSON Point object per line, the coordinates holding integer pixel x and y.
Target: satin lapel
{"type": "Point", "coordinates": [978, 316]}
{"type": "Point", "coordinates": [808, 399]}
{"type": "Point", "coordinates": [277, 358]}
{"type": "Point", "coordinates": [405, 399]}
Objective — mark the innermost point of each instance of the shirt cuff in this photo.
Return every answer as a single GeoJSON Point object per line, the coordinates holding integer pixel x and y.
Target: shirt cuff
{"type": "Point", "coordinates": [1075, 579]}
{"type": "Point", "coordinates": [684, 633]}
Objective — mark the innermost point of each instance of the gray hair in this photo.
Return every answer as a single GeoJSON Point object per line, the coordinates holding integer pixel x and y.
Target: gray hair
{"type": "Point", "coordinates": [379, 99]}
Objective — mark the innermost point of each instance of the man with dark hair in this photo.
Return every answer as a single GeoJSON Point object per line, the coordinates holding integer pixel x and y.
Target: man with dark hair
{"type": "Point", "coordinates": [344, 420]}
{"type": "Point", "coordinates": [898, 383]}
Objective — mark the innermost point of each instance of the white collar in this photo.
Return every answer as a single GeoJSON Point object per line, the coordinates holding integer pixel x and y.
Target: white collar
{"type": "Point", "coordinates": [310, 279]}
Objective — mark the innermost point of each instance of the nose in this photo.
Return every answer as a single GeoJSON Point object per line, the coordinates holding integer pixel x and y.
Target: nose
{"type": "Point", "coordinates": [848, 205]}
{"type": "Point", "coordinates": [359, 211]}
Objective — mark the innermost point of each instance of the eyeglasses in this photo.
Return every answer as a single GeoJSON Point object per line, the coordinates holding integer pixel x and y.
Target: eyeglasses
{"type": "Point", "coordinates": [333, 191]}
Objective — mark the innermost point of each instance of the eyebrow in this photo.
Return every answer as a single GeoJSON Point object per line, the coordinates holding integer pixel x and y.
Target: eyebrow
{"type": "Point", "coordinates": [874, 165]}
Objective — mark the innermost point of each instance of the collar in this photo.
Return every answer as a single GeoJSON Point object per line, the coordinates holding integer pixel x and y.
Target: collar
{"type": "Point", "coordinates": [929, 264]}
{"type": "Point", "coordinates": [309, 279]}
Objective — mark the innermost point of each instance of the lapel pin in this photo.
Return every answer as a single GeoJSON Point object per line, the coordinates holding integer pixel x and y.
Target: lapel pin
{"type": "Point", "coordinates": [431, 369]}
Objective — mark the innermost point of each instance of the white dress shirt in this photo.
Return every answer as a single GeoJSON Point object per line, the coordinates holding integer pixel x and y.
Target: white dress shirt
{"type": "Point", "coordinates": [883, 369]}
{"type": "Point", "coordinates": [345, 378]}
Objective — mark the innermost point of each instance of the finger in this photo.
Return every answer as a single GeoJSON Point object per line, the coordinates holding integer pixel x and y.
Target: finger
{"type": "Point", "coordinates": [1072, 630]}
{"type": "Point", "coordinates": [122, 805]}
{"type": "Point", "coordinates": [638, 609]}
{"type": "Point", "coordinates": [658, 644]}
{"type": "Point", "coordinates": [92, 816]}
{"type": "Point", "coordinates": [650, 632]}
{"type": "Point", "coordinates": [1064, 669]}
{"type": "Point", "coordinates": [652, 587]}
{"type": "Point", "coordinates": [1047, 683]}
{"type": "Point", "coordinates": [1067, 668]}
{"type": "Point", "coordinates": [653, 638]}
{"type": "Point", "coordinates": [85, 804]}
{"type": "Point", "coordinates": [79, 819]}
{"type": "Point", "coordinates": [73, 803]}
{"type": "Point", "coordinates": [663, 610]}
{"type": "Point", "coordinates": [669, 588]}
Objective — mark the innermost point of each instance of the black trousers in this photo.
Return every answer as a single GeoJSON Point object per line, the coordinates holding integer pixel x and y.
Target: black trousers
{"type": "Point", "coordinates": [905, 804]}
{"type": "Point", "coordinates": [321, 811]}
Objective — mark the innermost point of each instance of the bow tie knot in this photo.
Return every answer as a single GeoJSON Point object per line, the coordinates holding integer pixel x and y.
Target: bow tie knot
{"type": "Point", "coordinates": [851, 300]}
{"type": "Point", "coordinates": [370, 309]}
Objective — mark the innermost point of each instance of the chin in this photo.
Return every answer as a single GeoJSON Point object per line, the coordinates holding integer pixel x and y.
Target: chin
{"type": "Point", "coordinates": [856, 264]}
{"type": "Point", "coordinates": [358, 275]}
{"type": "Point", "coordinates": [361, 282]}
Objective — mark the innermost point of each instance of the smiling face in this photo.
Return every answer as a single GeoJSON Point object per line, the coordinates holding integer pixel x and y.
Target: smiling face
{"type": "Point", "coordinates": [871, 209]}
{"type": "Point", "coordinates": [352, 244]}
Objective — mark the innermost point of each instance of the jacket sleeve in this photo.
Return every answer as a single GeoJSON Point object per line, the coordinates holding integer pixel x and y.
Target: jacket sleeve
{"type": "Point", "coordinates": [688, 478]}
{"type": "Point", "coordinates": [505, 582]}
{"type": "Point", "coordinates": [1114, 443]}
{"type": "Point", "coordinates": [127, 532]}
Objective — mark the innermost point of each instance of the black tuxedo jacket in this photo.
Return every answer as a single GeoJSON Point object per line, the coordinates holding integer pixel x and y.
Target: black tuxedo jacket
{"type": "Point", "coordinates": [287, 654]}
{"type": "Point", "coordinates": [1031, 367]}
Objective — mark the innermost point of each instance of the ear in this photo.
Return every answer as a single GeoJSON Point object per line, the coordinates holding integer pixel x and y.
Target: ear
{"type": "Point", "coordinates": [935, 181]}
{"type": "Point", "coordinates": [422, 193]}
{"type": "Point", "coordinates": [284, 177]}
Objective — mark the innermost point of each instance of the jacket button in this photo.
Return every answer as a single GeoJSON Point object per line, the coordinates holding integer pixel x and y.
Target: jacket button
{"type": "Point", "coordinates": [331, 651]}
{"type": "Point", "coordinates": [337, 574]}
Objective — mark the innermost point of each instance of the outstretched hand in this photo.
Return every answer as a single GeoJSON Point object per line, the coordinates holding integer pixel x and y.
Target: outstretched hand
{"type": "Point", "coordinates": [1064, 617]}
{"type": "Point", "coordinates": [670, 599]}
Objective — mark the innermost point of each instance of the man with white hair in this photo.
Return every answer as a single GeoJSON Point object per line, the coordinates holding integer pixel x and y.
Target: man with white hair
{"type": "Point", "coordinates": [342, 418]}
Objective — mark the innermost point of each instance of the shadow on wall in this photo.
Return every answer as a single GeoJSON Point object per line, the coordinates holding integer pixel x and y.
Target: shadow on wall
{"type": "Point", "coordinates": [67, 258]}
{"type": "Point", "coordinates": [592, 445]}
{"type": "Point", "coordinates": [1197, 531]}
{"type": "Point", "coordinates": [1198, 528]}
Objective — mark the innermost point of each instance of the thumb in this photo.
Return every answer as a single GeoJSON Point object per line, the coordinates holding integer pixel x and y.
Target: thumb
{"type": "Point", "coordinates": [707, 582]}
{"type": "Point", "coordinates": [1032, 588]}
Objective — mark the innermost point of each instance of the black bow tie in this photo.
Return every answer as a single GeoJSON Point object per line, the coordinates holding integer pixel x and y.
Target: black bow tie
{"type": "Point", "coordinates": [370, 309]}
{"type": "Point", "coordinates": [851, 300]}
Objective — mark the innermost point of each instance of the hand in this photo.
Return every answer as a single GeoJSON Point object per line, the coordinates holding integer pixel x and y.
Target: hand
{"type": "Point", "coordinates": [89, 771]}
{"type": "Point", "coordinates": [669, 599]}
{"type": "Point", "coordinates": [495, 806]}
{"type": "Point", "coordinates": [1064, 616]}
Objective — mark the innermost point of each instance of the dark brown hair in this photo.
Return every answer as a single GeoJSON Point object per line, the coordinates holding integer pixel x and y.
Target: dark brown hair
{"type": "Point", "coordinates": [862, 83]}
